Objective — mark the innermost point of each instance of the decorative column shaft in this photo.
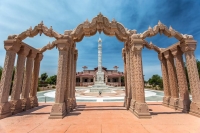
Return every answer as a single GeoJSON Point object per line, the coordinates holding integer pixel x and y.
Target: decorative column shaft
{"type": "Point", "coordinates": [16, 105]}
{"type": "Point", "coordinates": [141, 108]}
{"type": "Point", "coordinates": [68, 96]}
{"type": "Point", "coordinates": [188, 47]}
{"type": "Point", "coordinates": [165, 77]}
{"type": "Point", "coordinates": [72, 79]}
{"type": "Point", "coordinates": [34, 83]}
{"type": "Point", "coordinates": [27, 80]}
{"type": "Point", "coordinates": [75, 61]}
{"type": "Point", "coordinates": [125, 76]}
{"type": "Point", "coordinates": [12, 47]}
{"type": "Point", "coordinates": [58, 110]}
{"type": "Point", "coordinates": [128, 78]}
{"type": "Point", "coordinates": [184, 100]}
{"type": "Point", "coordinates": [172, 80]}
{"type": "Point", "coordinates": [132, 70]}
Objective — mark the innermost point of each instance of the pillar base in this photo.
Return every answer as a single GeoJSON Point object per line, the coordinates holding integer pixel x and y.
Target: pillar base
{"type": "Point", "coordinates": [34, 101]}
{"type": "Point", "coordinates": [195, 109]}
{"type": "Point", "coordinates": [26, 104]}
{"type": "Point", "coordinates": [142, 110]}
{"type": "Point", "coordinates": [16, 106]}
{"type": "Point", "coordinates": [166, 101]}
{"type": "Point", "coordinates": [173, 103]}
{"type": "Point", "coordinates": [58, 111]}
{"type": "Point", "coordinates": [184, 105]}
{"type": "Point", "coordinates": [128, 102]}
{"type": "Point", "coordinates": [125, 97]}
{"type": "Point", "coordinates": [132, 105]}
{"type": "Point", "coordinates": [74, 103]}
{"type": "Point", "coordinates": [5, 110]}
{"type": "Point", "coordinates": [67, 106]}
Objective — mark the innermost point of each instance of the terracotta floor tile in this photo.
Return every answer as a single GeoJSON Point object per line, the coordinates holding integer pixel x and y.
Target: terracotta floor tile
{"type": "Point", "coordinates": [105, 117]}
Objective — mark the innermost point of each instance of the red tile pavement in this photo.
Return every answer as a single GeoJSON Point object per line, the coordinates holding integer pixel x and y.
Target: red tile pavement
{"type": "Point", "coordinates": [105, 117]}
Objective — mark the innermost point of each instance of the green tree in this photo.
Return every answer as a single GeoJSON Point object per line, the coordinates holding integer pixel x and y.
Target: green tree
{"type": "Point", "coordinates": [43, 76]}
{"type": "Point", "coordinates": [156, 80]}
{"type": "Point", "coordinates": [51, 79]}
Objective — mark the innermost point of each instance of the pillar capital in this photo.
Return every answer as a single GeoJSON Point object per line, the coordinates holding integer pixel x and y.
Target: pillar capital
{"type": "Point", "coordinates": [136, 44]}
{"type": "Point", "coordinates": [24, 50]}
{"type": "Point", "coordinates": [160, 56]}
{"type": "Point", "coordinates": [64, 44]}
{"type": "Point", "coordinates": [32, 53]}
{"type": "Point", "coordinates": [188, 45]}
{"type": "Point", "coordinates": [39, 57]}
{"type": "Point", "coordinates": [167, 54]}
{"type": "Point", "coordinates": [176, 51]}
{"type": "Point", "coordinates": [12, 45]}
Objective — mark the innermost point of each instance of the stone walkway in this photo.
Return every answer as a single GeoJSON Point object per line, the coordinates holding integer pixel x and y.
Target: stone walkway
{"type": "Point", "coordinates": [105, 117]}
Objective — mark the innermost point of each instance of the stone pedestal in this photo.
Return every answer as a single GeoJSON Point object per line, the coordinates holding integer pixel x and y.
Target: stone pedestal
{"type": "Point", "coordinates": [5, 110]}
{"type": "Point", "coordinates": [142, 110]}
{"type": "Point", "coordinates": [58, 111]}
{"type": "Point", "coordinates": [16, 106]}
{"type": "Point", "coordinates": [34, 101]}
{"type": "Point", "coordinates": [128, 102]}
{"type": "Point", "coordinates": [132, 105]}
{"type": "Point", "coordinates": [166, 101]}
{"type": "Point", "coordinates": [26, 103]}
{"type": "Point", "coordinates": [195, 109]}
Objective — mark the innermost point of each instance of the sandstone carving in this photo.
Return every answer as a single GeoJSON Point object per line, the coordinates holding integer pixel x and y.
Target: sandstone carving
{"type": "Point", "coordinates": [174, 79]}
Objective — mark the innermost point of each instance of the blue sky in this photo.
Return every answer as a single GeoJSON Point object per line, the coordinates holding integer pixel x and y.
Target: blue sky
{"type": "Point", "coordinates": [17, 16]}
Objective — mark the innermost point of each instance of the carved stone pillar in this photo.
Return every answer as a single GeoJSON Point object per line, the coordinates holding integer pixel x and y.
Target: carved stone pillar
{"type": "Point", "coordinates": [184, 100]}
{"type": "Point", "coordinates": [34, 83]}
{"type": "Point", "coordinates": [125, 76]}
{"type": "Point", "coordinates": [68, 98]}
{"type": "Point", "coordinates": [188, 47]}
{"type": "Point", "coordinates": [128, 79]}
{"type": "Point", "coordinates": [12, 47]}
{"type": "Point", "coordinates": [132, 70]}
{"type": "Point", "coordinates": [27, 80]}
{"type": "Point", "coordinates": [72, 79]}
{"type": "Point", "coordinates": [141, 108]}
{"type": "Point", "coordinates": [173, 102]}
{"type": "Point", "coordinates": [75, 62]}
{"type": "Point", "coordinates": [165, 77]}
{"type": "Point", "coordinates": [58, 110]}
{"type": "Point", "coordinates": [16, 105]}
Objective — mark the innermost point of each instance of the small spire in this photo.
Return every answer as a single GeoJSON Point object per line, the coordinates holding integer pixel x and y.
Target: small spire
{"type": "Point", "coordinates": [170, 27]}
{"type": "Point", "coordinates": [159, 22]}
{"type": "Point", "coordinates": [41, 22]}
{"type": "Point", "coordinates": [149, 28]}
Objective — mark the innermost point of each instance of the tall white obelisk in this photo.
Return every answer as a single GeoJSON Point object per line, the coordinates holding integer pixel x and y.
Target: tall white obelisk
{"type": "Point", "coordinates": [100, 73]}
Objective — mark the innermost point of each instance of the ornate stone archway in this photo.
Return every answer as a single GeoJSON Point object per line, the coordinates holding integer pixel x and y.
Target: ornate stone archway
{"type": "Point", "coordinates": [174, 78]}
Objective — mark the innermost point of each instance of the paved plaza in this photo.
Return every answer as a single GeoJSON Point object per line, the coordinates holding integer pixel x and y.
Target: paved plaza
{"type": "Point", "coordinates": [101, 117]}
